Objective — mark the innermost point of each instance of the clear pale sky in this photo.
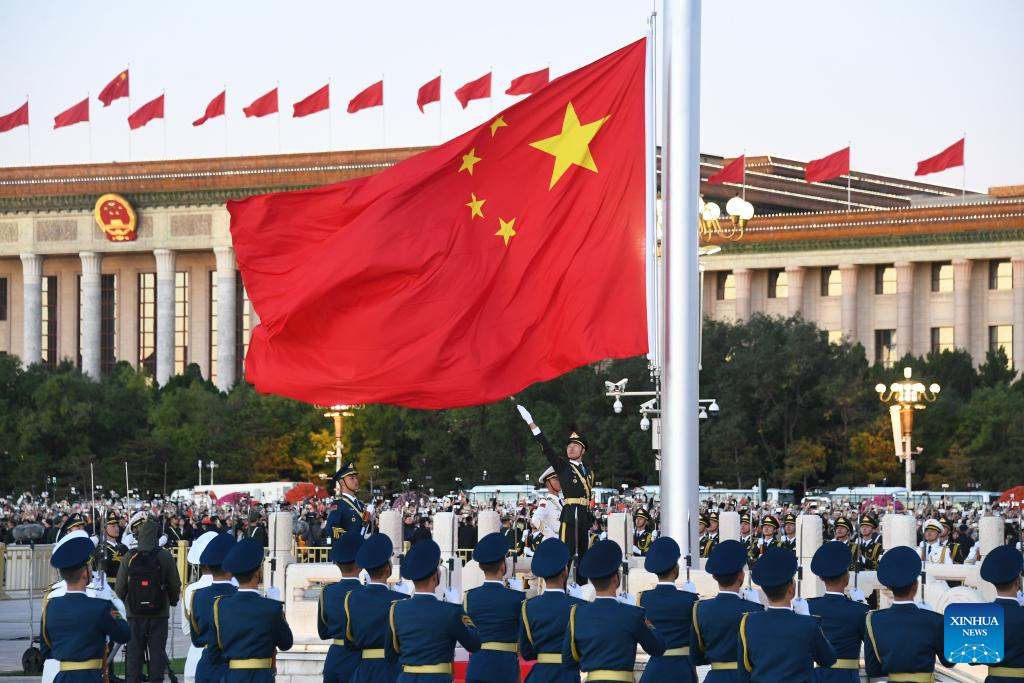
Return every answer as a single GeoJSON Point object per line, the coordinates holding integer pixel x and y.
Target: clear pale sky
{"type": "Point", "coordinates": [900, 80]}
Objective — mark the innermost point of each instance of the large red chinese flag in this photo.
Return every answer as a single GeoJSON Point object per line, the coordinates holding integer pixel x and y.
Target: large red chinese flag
{"type": "Point", "coordinates": [214, 109]}
{"type": "Point", "coordinates": [18, 117]}
{"type": "Point", "coordinates": [154, 109]}
{"type": "Point", "coordinates": [429, 92]}
{"type": "Point", "coordinates": [263, 105]}
{"type": "Point", "coordinates": [115, 90]}
{"type": "Point", "coordinates": [950, 157]}
{"type": "Point", "coordinates": [371, 97]}
{"type": "Point", "coordinates": [76, 114]}
{"type": "Point", "coordinates": [826, 168]}
{"type": "Point", "coordinates": [527, 84]}
{"type": "Point", "coordinates": [474, 90]}
{"type": "Point", "coordinates": [731, 173]}
{"type": "Point", "coordinates": [318, 101]}
{"type": "Point", "coordinates": [509, 255]}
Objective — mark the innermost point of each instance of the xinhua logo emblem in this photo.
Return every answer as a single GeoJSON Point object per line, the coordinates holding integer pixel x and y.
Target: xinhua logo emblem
{"type": "Point", "coordinates": [973, 633]}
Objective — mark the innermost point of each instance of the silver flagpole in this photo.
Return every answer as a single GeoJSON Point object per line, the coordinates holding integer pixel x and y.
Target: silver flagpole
{"type": "Point", "coordinates": [651, 243]}
{"type": "Point", "coordinates": [681, 184]}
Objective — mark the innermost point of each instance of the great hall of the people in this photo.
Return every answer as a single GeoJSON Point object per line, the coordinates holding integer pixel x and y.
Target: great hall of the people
{"type": "Point", "coordinates": [133, 262]}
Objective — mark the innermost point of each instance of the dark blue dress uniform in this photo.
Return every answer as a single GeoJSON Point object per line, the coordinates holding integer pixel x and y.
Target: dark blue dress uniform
{"type": "Point", "coordinates": [902, 642]}
{"type": "Point", "coordinates": [496, 611]}
{"type": "Point", "coordinates": [332, 621]}
{"type": "Point", "coordinates": [842, 619]}
{"type": "Point", "coordinates": [346, 512]}
{"type": "Point", "coordinates": [74, 627]}
{"type": "Point", "coordinates": [779, 644]}
{"type": "Point", "coordinates": [603, 635]}
{"type": "Point", "coordinates": [545, 619]}
{"type": "Point", "coordinates": [422, 631]}
{"type": "Point", "coordinates": [670, 610]}
{"type": "Point", "coordinates": [212, 667]}
{"type": "Point", "coordinates": [715, 624]}
{"type": "Point", "coordinates": [1002, 566]}
{"type": "Point", "coordinates": [366, 612]}
{"type": "Point", "coordinates": [247, 627]}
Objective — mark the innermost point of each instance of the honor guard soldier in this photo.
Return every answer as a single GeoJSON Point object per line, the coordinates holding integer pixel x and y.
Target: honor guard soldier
{"type": "Point", "coordinates": [422, 631]}
{"type": "Point", "coordinates": [247, 627]}
{"type": "Point", "coordinates": [111, 552]}
{"type": "Point", "coordinates": [211, 668]}
{"type": "Point", "coordinates": [709, 539]}
{"type": "Point", "coordinates": [195, 553]}
{"type": "Point", "coordinates": [642, 534]}
{"type": "Point", "coordinates": [545, 618]}
{"type": "Point", "coordinates": [346, 512]}
{"type": "Point", "coordinates": [577, 481]}
{"type": "Point", "coordinates": [956, 552]}
{"type": "Point", "coordinates": [931, 548]}
{"type": "Point", "coordinates": [842, 619]}
{"type": "Point", "coordinates": [769, 537]}
{"type": "Point", "coordinates": [778, 644]}
{"type": "Point", "coordinates": [603, 634]}
{"type": "Point", "coordinates": [670, 610]}
{"type": "Point", "coordinates": [74, 522]}
{"type": "Point", "coordinates": [869, 545]}
{"type": "Point", "coordinates": [715, 622]}
{"type": "Point", "coordinates": [844, 535]}
{"type": "Point", "coordinates": [332, 621]}
{"type": "Point", "coordinates": [1002, 568]}
{"type": "Point", "coordinates": [547, 516]}
{"type": "Point", "coordinates": [746, 537]}
{"type": "Point", "coordinates": [496, 611]}
{"type": "Point", "coordinates": [788, 540]}
{"type": "Point", "coordinates": [366, 612]}
{"type": "Point", "coordinates": [902, 642]}
{"type": "Point", "coordinates": [74, 627]}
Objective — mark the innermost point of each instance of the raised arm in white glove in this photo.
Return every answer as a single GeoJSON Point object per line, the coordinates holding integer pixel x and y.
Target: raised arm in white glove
{"type": "Point", "coordinates": [528, 419]}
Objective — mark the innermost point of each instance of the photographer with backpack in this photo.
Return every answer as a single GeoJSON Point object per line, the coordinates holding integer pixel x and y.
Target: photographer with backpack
{"type": "Point", "coordinates": [148, 582]}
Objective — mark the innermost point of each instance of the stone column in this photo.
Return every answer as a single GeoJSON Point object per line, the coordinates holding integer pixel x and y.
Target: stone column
{"type": "Point", "coordinates": [795, 278]}
{"type": "Point", "coordinates": [848, 305]}
{"type": "Point", "coordinates": [164, 315]}
{"type": "Point", "coordinates": [227, 305]}
{"type": "Point", "coordinates": [962, 304]}
{"type": "Point", "coordinates": [904, 308]}
{"type": "Point", "coordinates": [741, 278]}
{"type": "Point", "coordinates": [32, 308]}
{"type": "Point", "coordinates": [91, 313]}
{"type": "Point", "coordinates": [1018, 311]}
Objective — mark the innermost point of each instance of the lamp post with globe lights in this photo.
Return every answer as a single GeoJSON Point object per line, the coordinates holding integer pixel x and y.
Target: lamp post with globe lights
{"type": "Point", "coordinates": [904, 398]}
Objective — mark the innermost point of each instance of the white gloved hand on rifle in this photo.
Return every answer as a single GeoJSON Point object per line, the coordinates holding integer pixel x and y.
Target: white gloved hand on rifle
{"type": "Point", "coordinates": [453, 596]}
{"type": "Point", "coordinates": [800, 606]}
{"type": "Point", "coordinates": [857, 595]}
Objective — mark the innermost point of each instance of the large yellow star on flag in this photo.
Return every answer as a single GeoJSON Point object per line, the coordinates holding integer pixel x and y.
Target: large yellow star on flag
{"type": "Point", "coordinates": [571, 146]}
{"type": "Point", "coordinates": [469, 161]}
{"type": "Point", "coordinates": [496, 124]}
{"type": "Point", "coordinates": [476, 206]}
{"type": "Point", "coordinates": [505, 231]}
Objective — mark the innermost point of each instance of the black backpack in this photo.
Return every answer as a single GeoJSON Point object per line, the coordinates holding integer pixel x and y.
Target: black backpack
{"type": "Point", "coordinates": [146, 591]}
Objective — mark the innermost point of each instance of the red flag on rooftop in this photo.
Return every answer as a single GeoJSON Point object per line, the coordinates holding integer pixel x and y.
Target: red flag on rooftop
{"type": "Point", "coordinates": [154, 109]}
{"type": "Point", "coordinates": [18, 117]}
{"type": "Point", "coordinates": [115, 90]}
{"type": "Point", "coordinates": [429, 92]}
{"type": "Point", "coordinates": [76, 114]}
{"type": "Point", "coordinates": [527, 84]}
{"type": "Point", "coordinates": [373, 96]}
{"type": "Point", "coordinates": [214, 109]}
{"type": "Point", "coordinates": [263, 105]}
{"type": "Point", "coordinates": [826, 168]}
{"type": "Point", "coordinates": [509, 255]}
{"type": "Point", "coordinates": [732, 172]}
{"type": "Point", "coordinates": [474, 90]}
{"type": "Point", "coordinates": [950, 157]}
{"type": "Point", "coordinates": [318, 101]}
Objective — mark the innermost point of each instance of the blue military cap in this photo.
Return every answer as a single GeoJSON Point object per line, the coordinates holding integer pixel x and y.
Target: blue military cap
{"type": "Point", "coordinates": [550, 558]}
{"type": "Point", "coordinates": [244, 557]}
{"type": "Point", "coordinates": [899, 567]}
{"type": "Point", "coordinates": [422, 560]}
{"type": "Point", "coordinates": [346, 469]}
{"type": "Point", "coordinates": [374, 552]}
{"type": "Point", "coordinates": [662, 555]}
{"type": "Point", "coordinates": [343, 551]}
{"type": "Point", "coordinates": [831, 560]}
{"type": "Point", "coordinates": [74, 552]}
{"type": "Point", "coordinates": [1002, 565]}
{"type": "Point", "coordinates": [217, 549]}
{"type": "Point", "coordinates": [603, 559]}
{"type": "Point", "coordinates": [727, 558]}
{"type": "Point", "coordinates": [776, 567]}
{"type": "Point", "coordinates": [491, 548]}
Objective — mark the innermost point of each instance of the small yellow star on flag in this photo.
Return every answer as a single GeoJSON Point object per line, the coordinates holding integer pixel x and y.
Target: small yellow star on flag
{"type": "Point", "coordinates": [505, 231]}
{"type": "Point", "coordinates": [496, 124]}
{"type": "Point", "coordinates": [475, 206]}
{"type": "Point", "coordinates": [571, 147]}
{"type": "Point", "coordinates": [468, 161]}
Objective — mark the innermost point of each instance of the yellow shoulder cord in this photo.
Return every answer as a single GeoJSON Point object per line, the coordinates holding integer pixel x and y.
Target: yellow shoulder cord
{"type": "Point", "coordinates": [572, 633]}
{"type": "Point", "coordinates": [696, 627]}
{"type": "Point", "coordinates": [871, 637]}
{"type": "Point", "coordinates": [323, 617]}
{"type": "Point", "coordinates": [465, 604]}
{"type": "Point", "coordinates": [46, 637]}
{"type": "Point", "coordinates": [348, 618]}
{"type": "Point", "coordinates": [192, 612]}
{"type": "Point", "coordinates": [743, 639]}
{"type": "Point", "coordinates": [216, 620]}
{"type": "Point", "coordinates": [526, 624]}
{"type": "Point", "coordinates": [394, 632]}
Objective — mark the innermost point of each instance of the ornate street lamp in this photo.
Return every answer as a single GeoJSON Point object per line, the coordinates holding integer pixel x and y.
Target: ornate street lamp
{"type": "Point", "coordinates": [709, 225]}
{"type": "Point", "coordinates": [338, 413]}
{"type": "Point", "coordinates": [904, 398]}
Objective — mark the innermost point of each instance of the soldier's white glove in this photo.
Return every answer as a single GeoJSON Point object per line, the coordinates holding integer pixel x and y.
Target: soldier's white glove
{"type": "Point", "coordinates": [858, 595]}
{"type": "Point", "coordinates": [626, 599]}
{"type": "Point", "coordinates": [800, 606]}
{"type": "Point", "coordinates": [751, 595]}
{"type": "Point", "coordinates": [404, 586]}
{"type": "Point", "coordinates": [576, 591]}
{"type": "Point", "coordinates": [453, 596]}
{"type": "Point", "coordinates": [924, 605]}
{"type": "Point", "coordinates": [690, 587]}
{"type": "Point", "coordinates": [527, 418]}
{"type": "Point", "coordinates": [515, 583]}
{"type": "Point", "coordinates": [1020, 598]}
{"type": "Point", "coordinates": [273, 593]}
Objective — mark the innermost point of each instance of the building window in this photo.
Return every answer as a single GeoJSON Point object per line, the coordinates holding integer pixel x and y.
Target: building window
{"type": "Point", "coordinates": [108, 323]}
{"type": "Point", "coordinates": [885, 347]}
{"type": "Point", "coordinates": [835, 336]}
{"type": "Point", "coordinates": [885, 279]}
{"type": "Point", "coordinates": [181, 310]}
{"type": "Point", "coordinates": [725, 286]}
{"type": "Point", "coordinates": [942, 277]}
{"type": "Point", "coordinates": [147, 322]}
{"type": "Point", "coordinates": [3, 298]}
{"type": "Point", "coordinates": [1001, 337]}
{"type": "Point", "coordinates": [243, 326]}
{"type": "Point", "coordinates": [213, 325]}
{"type": "Point", "coordinates": [778, 284]}
{"type": "Point", "coordinates": [942, 339]}
{"type": "Point", "coordinates": [1000, 275]}
{"type": "Point", "coordinates": [48, 347]}
{"type": "Point", "coordinates": [831, 282]}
